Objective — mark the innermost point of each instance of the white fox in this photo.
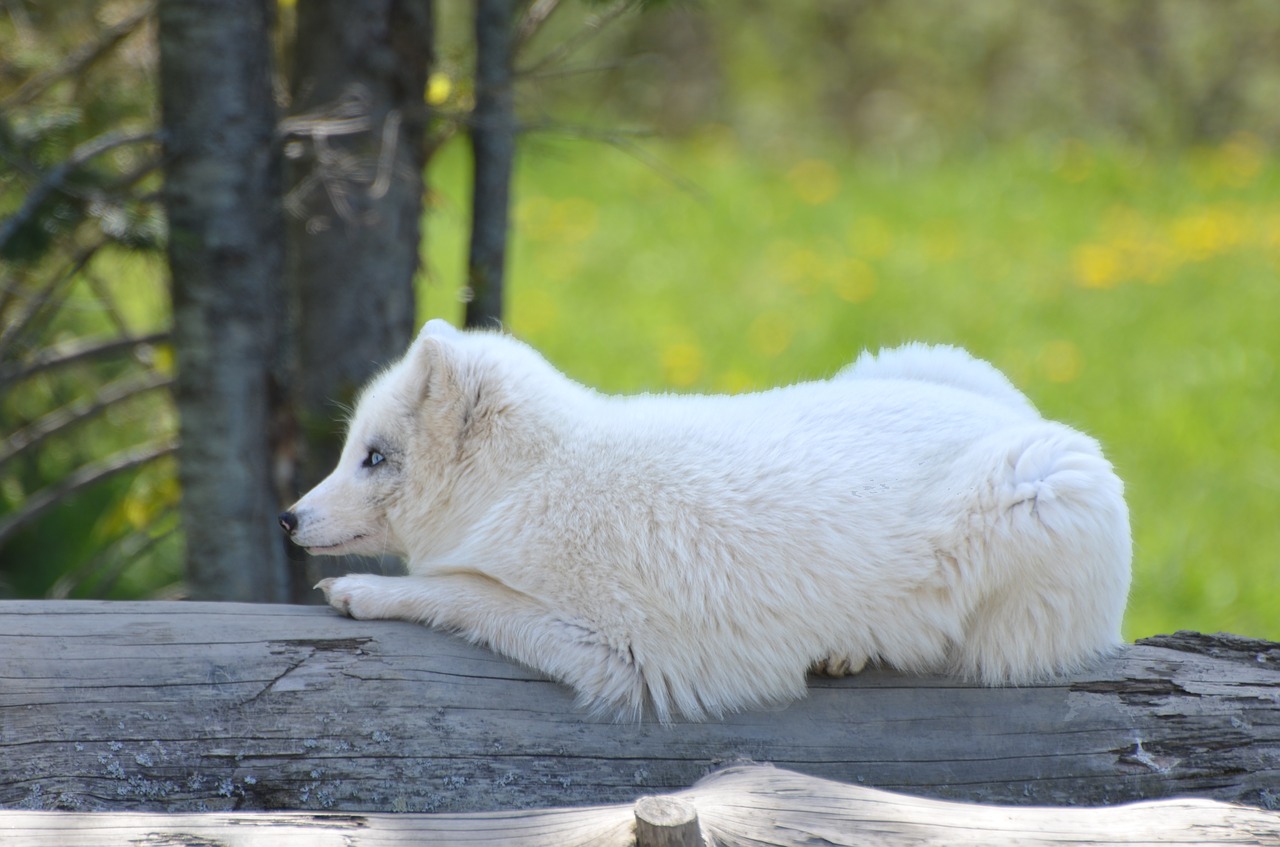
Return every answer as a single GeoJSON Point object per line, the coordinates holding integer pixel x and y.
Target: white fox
{"type": "Point", "coordinates": [696, 555]}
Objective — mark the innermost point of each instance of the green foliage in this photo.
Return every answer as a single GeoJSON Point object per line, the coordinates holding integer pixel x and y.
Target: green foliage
{"type": "Point", "coordinates": [897, 171]}
{"type": "Point", "coordinates": [924, 77]}
{"type": "Point", "coordinates": [87, 486]}
{"type": "Point", "coordinates": [1131, 295]}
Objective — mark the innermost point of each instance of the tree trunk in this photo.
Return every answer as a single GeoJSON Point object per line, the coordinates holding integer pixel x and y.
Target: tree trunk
{"type": "Point", "coordinates": [226, 256]}
{"type": "Point", "coordinates": [493, 146]}
{"type": "Point", "coordinates": [360, 73]}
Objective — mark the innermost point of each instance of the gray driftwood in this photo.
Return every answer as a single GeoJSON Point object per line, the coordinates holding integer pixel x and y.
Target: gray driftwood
{"type": "Point", "coordinates": [213, 707]}
{"type": "Point", "coordinates": [742, 806]}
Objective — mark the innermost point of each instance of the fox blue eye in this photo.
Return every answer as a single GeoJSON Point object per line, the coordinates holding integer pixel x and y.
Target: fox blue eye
{"type": "Point", "coordinates": [373, 459]}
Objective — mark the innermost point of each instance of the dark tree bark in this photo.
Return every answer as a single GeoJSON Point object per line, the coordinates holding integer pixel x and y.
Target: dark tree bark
{"type": "Point", "coordinates": [360, 72]}
{"type": "Point", "coordinates": [226, 255]}
{"type": "Point", "coordinates": [493, 145]}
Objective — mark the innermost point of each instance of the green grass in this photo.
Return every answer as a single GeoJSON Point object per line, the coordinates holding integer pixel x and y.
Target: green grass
{"type": "Point", "coordinates": [1132, 296]}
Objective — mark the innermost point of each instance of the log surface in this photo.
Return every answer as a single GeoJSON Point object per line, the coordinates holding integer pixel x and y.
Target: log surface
{"type": "Point", "coordinates": [194, 707]}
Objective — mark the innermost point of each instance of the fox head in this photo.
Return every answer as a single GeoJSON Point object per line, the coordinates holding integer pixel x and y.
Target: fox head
{"type": "Point", "coordinates": [433, 440]}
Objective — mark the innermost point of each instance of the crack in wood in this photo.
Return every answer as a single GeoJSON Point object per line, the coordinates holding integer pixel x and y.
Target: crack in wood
{"type": "Point", "coordinates": [178, 839]}
{"type": "Point", "coordinates": [1219, 645]}
{"type": "Point", "coordinates": [272, 683]}
{"type": "Point", "coordinates": [1135, 691]}
{"type": "Point", "coordinates": [353, 646]}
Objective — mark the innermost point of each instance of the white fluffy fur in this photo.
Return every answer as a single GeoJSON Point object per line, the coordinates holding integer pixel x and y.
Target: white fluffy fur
{"type": "Point", "coordinates": [698, 554]}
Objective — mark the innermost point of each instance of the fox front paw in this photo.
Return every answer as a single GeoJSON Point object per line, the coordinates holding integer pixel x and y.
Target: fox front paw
{"type": "Point", "coordinates": [357, 596]}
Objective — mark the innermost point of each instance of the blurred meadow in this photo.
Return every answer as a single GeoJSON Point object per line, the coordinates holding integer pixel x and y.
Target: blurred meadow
{"type": "Point", "coordinates": [1132, 295]}
{"type": "Point", "coordinates": [1085, 194]}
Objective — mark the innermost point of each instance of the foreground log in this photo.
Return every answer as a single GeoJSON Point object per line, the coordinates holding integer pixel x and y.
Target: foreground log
{"type": "Point", "coordinates": [212, 707]}
{"type": "Point", "coordinates": [744, 806]}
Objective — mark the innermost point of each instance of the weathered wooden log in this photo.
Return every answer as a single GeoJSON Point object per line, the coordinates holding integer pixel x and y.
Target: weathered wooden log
{"type": "Point", "coordinates": [192, 707]}
{"type": "Point", "coordinates": [740, 806]}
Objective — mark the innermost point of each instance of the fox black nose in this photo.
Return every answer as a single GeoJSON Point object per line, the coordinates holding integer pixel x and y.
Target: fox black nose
{"type": "Point", "coordinates": [288, 522]}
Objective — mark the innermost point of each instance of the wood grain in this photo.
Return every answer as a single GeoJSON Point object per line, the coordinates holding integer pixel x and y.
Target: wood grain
{"type": "Point", "coordinates": [195, 707]}
{"type": "Point", "coordinates": [744, 806]}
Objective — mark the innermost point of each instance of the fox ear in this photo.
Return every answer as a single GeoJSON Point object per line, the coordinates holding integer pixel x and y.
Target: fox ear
{"type": "Point", "coordinates": [436, 328]}
{"type": "Point", "coordinates": [432, 369]}
{"type": "Point", "coordinates": [449, 398]}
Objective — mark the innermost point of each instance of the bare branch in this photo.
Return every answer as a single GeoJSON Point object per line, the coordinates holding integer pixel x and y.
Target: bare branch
{"type": "Point", "coordinates": [590, 30]}
{"type": "Point", "coordinates": [85, 477]}
{"type": "Point", "coordinates": [386, 155]}
{"type": "Point", "coordinates": [107, 302]}
{"type": "Point", "coordinates": [45, 301]}
{"type": "Point", "coordinates": [79, 412]}
{"type": "Point", "coordinates": [55, 179]}
{"type": "Point", "coordinates": [75, 64]}
{"type": "Point", "coordinates": [625, 142]}
{"type": "Point", "coordinates": [338, 172]}
{"type": "Point", "coordinates": [574, 70]}
{"type": "Point", "coordinates": [347, 115]}
{"type": "Point", "coordinates": [111, 563]}
{"type": "Point", "coordinates": [75, 351]}
{"type": "Point", "coordinates": [539, 12]}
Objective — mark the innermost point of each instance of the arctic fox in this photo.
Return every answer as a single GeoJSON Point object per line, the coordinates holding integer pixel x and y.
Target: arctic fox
{"type": "Point", "coordinates": [697, 555]}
